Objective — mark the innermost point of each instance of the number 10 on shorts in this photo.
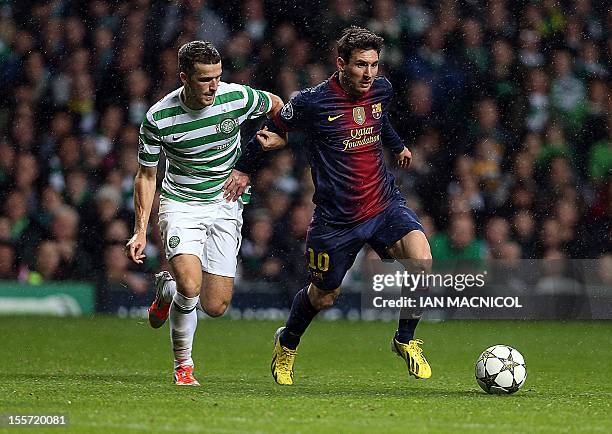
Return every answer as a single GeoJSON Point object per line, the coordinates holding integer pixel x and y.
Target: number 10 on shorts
{"type": "Point", "coordinates": [318, 261]}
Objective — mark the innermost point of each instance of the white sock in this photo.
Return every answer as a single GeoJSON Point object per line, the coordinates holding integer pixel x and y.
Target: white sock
{"type": "Point", "coordinates": [169, 289]}
{"type": "Point", "coordinates": [183, 323]}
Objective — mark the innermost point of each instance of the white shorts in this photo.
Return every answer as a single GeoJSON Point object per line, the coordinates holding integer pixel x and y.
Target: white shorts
{"type": "Point", "coordinates": [210, 231]}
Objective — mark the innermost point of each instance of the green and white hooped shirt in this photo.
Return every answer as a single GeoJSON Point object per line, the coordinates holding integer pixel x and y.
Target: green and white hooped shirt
{"type": "Point", "coordinates": [201, 146]}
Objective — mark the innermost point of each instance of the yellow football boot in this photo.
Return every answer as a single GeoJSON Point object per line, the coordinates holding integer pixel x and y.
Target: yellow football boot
{"type": "Point", "coordinates": [282, 361]}
{"type": "Point", "coordinates": [412, 354]}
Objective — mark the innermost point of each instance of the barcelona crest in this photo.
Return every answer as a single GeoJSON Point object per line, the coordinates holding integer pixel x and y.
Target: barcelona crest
{"type": "Point", "coordinates": [359, 115]}
{"type": "Point", "coordinates": [377, 110]}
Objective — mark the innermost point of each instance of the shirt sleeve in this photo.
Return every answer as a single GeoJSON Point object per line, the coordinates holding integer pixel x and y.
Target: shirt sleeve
{"type": "Point", "coordinates": [294, 114]}
{"type": "Point", "coordinates": [149, 142]}
{"type": "Point", "coordinates": [390, 138]}
{"type": "Point", "coordinates": [258, 102]}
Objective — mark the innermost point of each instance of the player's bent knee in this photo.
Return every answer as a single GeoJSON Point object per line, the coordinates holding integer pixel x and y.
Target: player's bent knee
{"type": "Point", "coordinates": [327, 302]}
{"type": "Point", "coordinates": [321, 299]}
{"type": "Point", "coordinates": [215, 309]}
{"type": "Point", "coordinates": [188, 287]}
{"type": "Point", "coordinates": [424, 258]}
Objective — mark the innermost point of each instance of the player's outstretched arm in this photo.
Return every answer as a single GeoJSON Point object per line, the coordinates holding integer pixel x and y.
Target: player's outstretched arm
{"type": "Point", "coordinates": [250, 160]}
{"type": "Point", "coordinates": [268, 139]}
{"type": "Point", "coordinates": [277, 105]}
{"type": "Point", "coordinates": [144, 192]}
{"type": "Point", "coordinates": [392, 140]}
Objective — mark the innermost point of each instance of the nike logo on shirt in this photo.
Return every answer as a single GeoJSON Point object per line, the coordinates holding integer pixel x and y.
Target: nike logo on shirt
{"type": "Point", "coordinates": [333, 118]}
{"type": "Point", "coordinates": [178, 137]}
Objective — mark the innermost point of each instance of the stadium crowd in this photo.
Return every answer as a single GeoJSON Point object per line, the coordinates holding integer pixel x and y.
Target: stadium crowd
{"type": "Point", "coordinates": [504, 104]}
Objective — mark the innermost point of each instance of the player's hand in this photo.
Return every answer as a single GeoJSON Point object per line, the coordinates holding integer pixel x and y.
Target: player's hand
{"type": "Point", "coordinates": [135, 247]}
{"type": "Point", "coordinates": [404, 158]}
{"type": "Point", "coordinates": [235, 185]}
{"type": "Point", "coordinates": [269, 140]}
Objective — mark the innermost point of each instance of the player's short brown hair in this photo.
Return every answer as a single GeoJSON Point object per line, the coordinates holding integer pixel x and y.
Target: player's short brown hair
{"type": "Point", "coordinates": [197, 52]}
{"type": "Point", "coordinates": [358, 38]}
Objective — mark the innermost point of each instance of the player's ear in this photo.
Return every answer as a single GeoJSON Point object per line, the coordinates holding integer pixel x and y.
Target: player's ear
{"type": "Point", "coordinates": [183, 77]}
{"type": "Point", "coordinates": [340, 64]}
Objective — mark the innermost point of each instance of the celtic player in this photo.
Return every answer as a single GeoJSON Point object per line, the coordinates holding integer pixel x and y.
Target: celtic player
{"type": "Point", "coordinates": [198, 128]}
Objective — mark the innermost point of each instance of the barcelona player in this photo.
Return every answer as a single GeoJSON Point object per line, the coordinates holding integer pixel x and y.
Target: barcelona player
{"type": "Point", "coordinates": [357, 202]}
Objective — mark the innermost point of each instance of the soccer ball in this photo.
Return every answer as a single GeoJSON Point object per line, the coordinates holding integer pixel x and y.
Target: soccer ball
{"type": "Point", "coordinates": [500, 369]}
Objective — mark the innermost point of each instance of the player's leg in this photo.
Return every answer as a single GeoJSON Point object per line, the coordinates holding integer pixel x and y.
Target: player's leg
{"type": "Point", "coordinates": [183, 315]}
{"type": "Point", "coordinates": [183, 233]}
{"type": "Point", "coordinates": [219, 258]}
{"type": "Point", "coordinates": [216, 293]}
{"type": "Point", "coordinates": [414, 252]}
{"type": "Point", "coordinates": [330, 253]}
{"type": "Point", "coordinates": [307, 303]}
{"type": "Point", "coordinates": [400, 236]}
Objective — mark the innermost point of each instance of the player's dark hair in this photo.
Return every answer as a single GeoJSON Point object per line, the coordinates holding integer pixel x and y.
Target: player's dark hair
{"type": "Point", "coordinates": [197, 52]}
{"type": "Point", "coordinates": [358, 38]}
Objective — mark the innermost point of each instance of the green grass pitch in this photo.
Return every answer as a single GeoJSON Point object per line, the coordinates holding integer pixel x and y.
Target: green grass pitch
{"type": "Point", "coordinates": [114, 375]}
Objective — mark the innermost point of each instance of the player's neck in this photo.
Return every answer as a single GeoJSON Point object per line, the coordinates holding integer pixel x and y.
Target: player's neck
{"type": "Point", "coordinates": [189, 101]}
{"type": "Point", "coordinates": [346, 87]}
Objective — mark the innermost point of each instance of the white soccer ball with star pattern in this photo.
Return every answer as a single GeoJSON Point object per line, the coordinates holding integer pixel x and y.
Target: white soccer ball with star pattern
{"type": "Point", "coordinates": [500, 369]}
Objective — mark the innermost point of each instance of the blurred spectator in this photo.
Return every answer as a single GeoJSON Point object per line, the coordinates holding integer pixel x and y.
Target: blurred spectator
{"type": "Point", "coordinates": [501, 82]}
{"type": "Point", "coordinates": [106, 208]}
{"type": "Point", "coordinates": [510, 252]}
{"type": "Point", "coordinates": [419, 115]}
{"type": "Point", "coordinates": [475, 55]}
{"type": "Point", "coordinates": [293, 244]}
{"type": "Point", "coordinates": [118, 283]}
{"type": "Point", "coordinates": [77, 193]}
{"type": "Point", "coordinates": [25, 179]}
{"type": "Point", "coordinates": [386, 22]}
{"type": "Point", "coordinates": [497, 235]}
{"type": "Point", "coordinates": [259, 259]}
{"type": "Point", "coordinates": [61, 126]}
{"type": "Point", "coordinates": [416, 17]}
{"type": "Point", "coordinates": [550, 237]}
{"type": "Point", "coordinates": [339, 15]}
{"type": "Point", "coordinates": [47, 264]}
{"type": "Point", "coordinates": [487, 124]}
{"type": "Point", "coordinates": [486, 166]}
{"type": "Point", "coordinates": [600, 161]}
{"type": "Point", "coordinates": [524, 229]}
{"type": "Point", "coordinates": [499, 22]}
{"type": "Point", "coordinates": [537, 105]}
{"type": "Point", "coordinates": [530, 55]}
{"type": "Point", "coordinates": [210, 25]}
{"type": "Point", "coordinates": [555, 145]}
{"type": "Point", "coordinates": [24, 231]}
{"type": "Point", "coordinates": [255, 21]}
{"type": "Point", "coordinates": [567, 92]}
{"type": "Point", "coordinates": [459, 242]}
{"type": "Point", "coordinates": [7, 160]}
{"type": "Point", "coordinates": [67, 157]}
{"type": "Point", "coordinates": [589, 65]}
{"type": "Point", "coordinates": [8, 262]}
{"type": "Point", "coordinates": [465, 187]}
{"type": "Point", "coordinates": [431, 64]}
{"type": "Point", "coordinates": [75, 262]}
